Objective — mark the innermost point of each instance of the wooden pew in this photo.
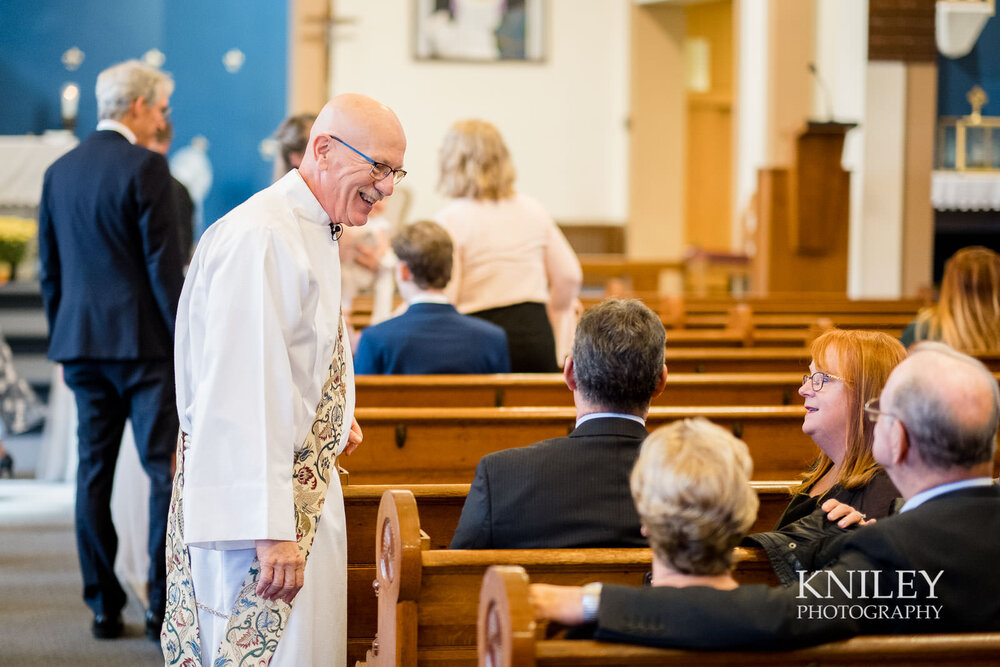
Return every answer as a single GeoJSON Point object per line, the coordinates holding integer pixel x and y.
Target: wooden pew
{"type": "Point", "coordinates": [509, 636]}
{"type": "Point", "coordinates": [427, 598]}
{"type": "Point", "coordinates": [441, 445]}
{"type": "Point", "coordinates": [763, 360]}
{"type": "Point", "coordinates": [549, 389]}
{"type": "Point", "coordinates": [788, 312]}
{"type": "Point", "coordinates": [439, 507]}
{"type": "Point", "coordinates": [738, 360]}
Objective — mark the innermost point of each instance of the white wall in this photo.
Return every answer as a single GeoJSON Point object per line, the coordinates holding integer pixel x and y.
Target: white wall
{"type": "Point", "coordinates": [842, 61]}
{"type": "Point", "coordinates": [751, 109]}
{"type": "Point", "coordinates": [564, 119]}
{"type": "Point", "coordinates": [879, 270]}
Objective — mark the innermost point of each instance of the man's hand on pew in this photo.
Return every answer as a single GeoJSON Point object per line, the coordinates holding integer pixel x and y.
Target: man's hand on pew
{"type": "Point", "coordinates": [282, 569]}
{"type": "Point", "coordinates": [844, 514]}
{"type": "Point", "coordinates": [354, 438]}
{"type": "Point", "coordinates": [563, 604]}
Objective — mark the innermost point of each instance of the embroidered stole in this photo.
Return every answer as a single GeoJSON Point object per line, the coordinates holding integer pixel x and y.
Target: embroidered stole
{"type": "Point", "coordinates": [255, 625]}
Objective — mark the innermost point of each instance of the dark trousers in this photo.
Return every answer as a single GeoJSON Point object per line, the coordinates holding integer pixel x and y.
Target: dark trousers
{"type": "Point", "coordinates": [107, 393]}
{"type": "Point", "coordinates": [530, 341]}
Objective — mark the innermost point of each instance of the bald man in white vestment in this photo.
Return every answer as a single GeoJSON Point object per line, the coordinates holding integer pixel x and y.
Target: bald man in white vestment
{"type": "Point", "coordinates": [256, 329]}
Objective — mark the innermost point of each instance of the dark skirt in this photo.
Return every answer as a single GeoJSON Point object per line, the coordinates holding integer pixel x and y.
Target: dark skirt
{"type": "Point", "coordinates": [530, 341]}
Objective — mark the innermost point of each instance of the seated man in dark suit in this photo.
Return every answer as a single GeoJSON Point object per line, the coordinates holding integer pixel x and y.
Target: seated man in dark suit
{"type": "Point", "coordinates": [574, 491]}
{"type": "Point", "coordinates": [930, 568]}
{"type": "Point", "coordinates": [431, 337]}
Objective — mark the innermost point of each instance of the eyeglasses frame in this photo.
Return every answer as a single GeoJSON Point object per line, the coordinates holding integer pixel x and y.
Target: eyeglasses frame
{"type": "Point", "coordinates": [397, 174]}
{"type": "Point", "coordinates": [873, 413]}
{"type": "Point", "coordinates": [822, 382]}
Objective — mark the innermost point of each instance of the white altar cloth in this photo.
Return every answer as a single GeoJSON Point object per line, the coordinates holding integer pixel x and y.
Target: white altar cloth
{"type": "Point", "coordinates": [965, 191]}
{"type": "Point", "coordinates": [23, 161]}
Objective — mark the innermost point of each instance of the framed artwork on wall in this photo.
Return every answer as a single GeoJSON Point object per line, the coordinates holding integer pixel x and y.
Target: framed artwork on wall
{"type": "Point", "coordinates": [479, 30]}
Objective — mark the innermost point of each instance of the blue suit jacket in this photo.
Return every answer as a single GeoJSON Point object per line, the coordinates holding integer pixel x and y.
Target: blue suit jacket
{"type": "Point", "coordinates": [111, 269]}
{"type": "Point", "coordinates": [432, 339]}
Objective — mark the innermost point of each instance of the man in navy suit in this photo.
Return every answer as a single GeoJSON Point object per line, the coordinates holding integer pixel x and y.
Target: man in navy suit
{"type": "Point", "coordinates": [111, 276]}
{"type": "Point", "coordinates": [574, 491]}
{"type": "Point", "coordinates": [929, 568]}
{"type": "Point", "coordinates": [431, 337]}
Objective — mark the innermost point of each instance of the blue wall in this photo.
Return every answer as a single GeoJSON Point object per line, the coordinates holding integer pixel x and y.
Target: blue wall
{"type": "Point", "coordinates": [981, 66]}
{"type": "Point", "coordinates": [234, 111]}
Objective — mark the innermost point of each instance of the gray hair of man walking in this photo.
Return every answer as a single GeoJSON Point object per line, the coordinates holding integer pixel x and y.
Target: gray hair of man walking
{"type": "Point", "coordinates": [120, 85]}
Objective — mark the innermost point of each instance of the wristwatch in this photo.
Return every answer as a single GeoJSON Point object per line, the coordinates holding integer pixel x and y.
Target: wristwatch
{"type": "Point", "coordinates": [591, 601]}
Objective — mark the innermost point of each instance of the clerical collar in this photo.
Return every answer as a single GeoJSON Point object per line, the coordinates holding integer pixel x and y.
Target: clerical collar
{"type": "Point", "coordinates": [114, 125]}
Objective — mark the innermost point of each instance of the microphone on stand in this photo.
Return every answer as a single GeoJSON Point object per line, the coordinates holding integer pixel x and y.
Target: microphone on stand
{"type": "Point", "coordinates": [826, 91]}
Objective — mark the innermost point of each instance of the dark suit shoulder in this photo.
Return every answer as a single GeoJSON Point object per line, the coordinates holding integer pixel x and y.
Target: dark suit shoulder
{"type": "Point", "coordinates": [596, 437]}
{"type": "Point", "coordinates": [516, 456]}
{"type": "Point", "coordinates": [107, 150]}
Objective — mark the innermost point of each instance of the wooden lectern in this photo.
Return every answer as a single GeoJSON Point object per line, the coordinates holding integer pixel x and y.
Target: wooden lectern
{"type": "Point", "coordinates": [802, 217]}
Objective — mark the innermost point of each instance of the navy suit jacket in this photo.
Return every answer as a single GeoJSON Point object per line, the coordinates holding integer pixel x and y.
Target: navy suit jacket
{"type": "Point", "coordinates": [432, 339]}
{"type": "Point", "coordinates": [559, 493]}
{"type": "Point", "coordinates": [954, 534]}
{"type": "Point", "coordinates": [111, 269]}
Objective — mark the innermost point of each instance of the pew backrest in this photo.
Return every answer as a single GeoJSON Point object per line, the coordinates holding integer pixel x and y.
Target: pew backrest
{"type": "Point", "coordinates": [509, 636]}
{"type": "Point", "coordinates": [444, 445]}
{"type": "Point", "coordinates": [427, 598]}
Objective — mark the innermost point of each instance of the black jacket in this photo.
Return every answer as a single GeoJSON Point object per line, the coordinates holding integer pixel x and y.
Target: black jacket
{"type": "Point", "coordinates": [952, 537]}
{"type": "Point", "coordinates": [564, 492]}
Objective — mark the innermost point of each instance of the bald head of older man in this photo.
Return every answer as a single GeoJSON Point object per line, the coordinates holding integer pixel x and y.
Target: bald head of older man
{"type": "Point", "coordinates": [937, 420]}
{"type": "Point", "coordinates": [354, 157]}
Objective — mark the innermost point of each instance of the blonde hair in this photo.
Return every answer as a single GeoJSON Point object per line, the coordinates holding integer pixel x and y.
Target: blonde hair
{"type": "Point", "coordinates": [474, 162]}
{"type": "Point", "coordinates": [691, 487]}
{"type": "Point", "coordinates": [967, 316]}
{"type": "Point", "coordinates": [864, 360]}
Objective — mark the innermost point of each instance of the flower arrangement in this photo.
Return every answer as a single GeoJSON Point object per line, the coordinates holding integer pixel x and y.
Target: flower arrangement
{"type": "Point", "coordinates": [15, 233]}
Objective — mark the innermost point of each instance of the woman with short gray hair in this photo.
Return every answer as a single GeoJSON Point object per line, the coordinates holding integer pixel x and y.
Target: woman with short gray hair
{"type": "Point", "coordinates": [691, 486]}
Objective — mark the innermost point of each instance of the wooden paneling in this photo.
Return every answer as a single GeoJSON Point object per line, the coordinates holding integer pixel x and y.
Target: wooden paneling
{"type": "Point", "coordinates": [656, 132]}
{"type": "Point", "coordinates": [308, 56]}
{"type": "Point", "coordinates": [918, 214]}
{"type": "Point", "coordinates": [595, 239]}
{"type": "Point", "coordinates": [708, 191]}
{"type": "Point", "coordinates": [901, 30]}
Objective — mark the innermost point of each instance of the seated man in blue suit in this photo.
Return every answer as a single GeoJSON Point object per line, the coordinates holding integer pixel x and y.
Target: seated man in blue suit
{"type": "Point", "coordinates": [929, 568]}
{"type": "Point", "coordinates": [431, 337]}
{"type": "Point", "coordinates": [574, 491]}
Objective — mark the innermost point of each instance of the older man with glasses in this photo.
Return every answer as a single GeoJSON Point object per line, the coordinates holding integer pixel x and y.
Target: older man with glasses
{"type": "Point", "coordinates": [931, 568]}
{"type": "Point", "coordinates": [253, 573]}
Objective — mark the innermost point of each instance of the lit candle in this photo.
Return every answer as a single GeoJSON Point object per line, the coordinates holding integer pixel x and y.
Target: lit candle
{"type": "Point", "coordinates": [70, 100]}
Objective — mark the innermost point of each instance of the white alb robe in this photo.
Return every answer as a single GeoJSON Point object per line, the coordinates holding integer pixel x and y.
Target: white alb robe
{"type": "Point", "coordinates": [255, 332]}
